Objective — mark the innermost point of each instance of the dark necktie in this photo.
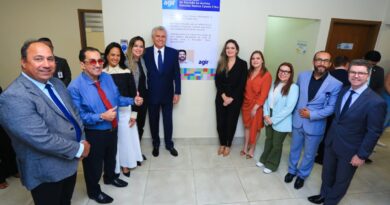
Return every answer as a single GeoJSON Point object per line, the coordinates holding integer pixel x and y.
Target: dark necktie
{"type": "Point", "coordinates": [160, 61]}
{"type": "Point", "coordinates": [347, 103]}
{"type": "Point", "coordinates": [65, 111]}
{"type": "Point", "coordinates": [106, 102]}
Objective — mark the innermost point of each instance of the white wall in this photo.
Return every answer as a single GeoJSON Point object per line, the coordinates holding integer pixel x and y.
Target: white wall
{"type": "Point", "coordinates": [57, 19]}
{"type": "Point", "coordinates": [244, 21]}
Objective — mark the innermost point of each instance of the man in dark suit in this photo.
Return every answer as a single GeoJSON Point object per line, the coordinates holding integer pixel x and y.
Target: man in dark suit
{"type": "Point", "coordinates": [45, 129]}
{"type": "Point", "coordinates": [358, 123]}
{"type": "Point", "coordinates": [62, 68]}
{"type": "Point", "coordinates": [164, 87]}
{"type": "Point", "coordinates": [377, 78]}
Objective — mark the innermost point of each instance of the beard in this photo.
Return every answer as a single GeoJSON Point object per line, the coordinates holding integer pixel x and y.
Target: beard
{"type": "Point", "coordinates": [320, 70]}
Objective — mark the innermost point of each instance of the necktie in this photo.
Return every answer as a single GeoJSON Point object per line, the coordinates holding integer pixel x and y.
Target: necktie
{"type": "Point", "coordinates": [65, 111]}
{"type": "Point", "coordinates": [106, 102]}
{"type": "Point", "coordinates": [160, 61]}
{"type": "Point", "coordinates": [347, 103]}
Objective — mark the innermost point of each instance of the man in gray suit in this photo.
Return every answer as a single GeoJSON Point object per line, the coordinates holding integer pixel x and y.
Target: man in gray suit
{"type": "Point", "coordinates": [44, 126]}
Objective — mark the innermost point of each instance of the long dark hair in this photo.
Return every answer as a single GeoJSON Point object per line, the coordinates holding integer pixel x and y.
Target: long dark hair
{"type": "Point", "coordinates": [286, 88]}
{"type": "Point", "coordinates": [223, 59]}
{"type": "Point", "coordinates": [107, 51]}
{"type": "Point", "coordinates": [263, 69]}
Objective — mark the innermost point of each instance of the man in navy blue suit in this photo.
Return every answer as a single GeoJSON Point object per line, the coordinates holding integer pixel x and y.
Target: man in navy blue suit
{"type": "Point", "coordinates": [357, 125]}
{"type": "Point", "coordinates": [164, 87]}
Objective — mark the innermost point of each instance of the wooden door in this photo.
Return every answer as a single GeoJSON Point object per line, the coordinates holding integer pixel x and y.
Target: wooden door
{"type": "Point", "coordinates": [352, 38]}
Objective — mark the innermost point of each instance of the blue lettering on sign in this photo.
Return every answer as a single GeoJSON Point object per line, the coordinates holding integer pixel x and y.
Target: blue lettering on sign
{"type": "Point", "coordinates": [203, 62]}
{"type": "Point", "coordinates": [168, 3]}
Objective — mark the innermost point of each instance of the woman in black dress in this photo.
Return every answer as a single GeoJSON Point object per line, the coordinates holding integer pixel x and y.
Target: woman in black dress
{"type": "Point", "coordinates": [230, 81]}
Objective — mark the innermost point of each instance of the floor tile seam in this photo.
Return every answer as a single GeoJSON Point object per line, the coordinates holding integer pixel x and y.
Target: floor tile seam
{"type": "Point", "coordinates": [241, 183]}
{"type": "Point", "coordinates": [146, 185]}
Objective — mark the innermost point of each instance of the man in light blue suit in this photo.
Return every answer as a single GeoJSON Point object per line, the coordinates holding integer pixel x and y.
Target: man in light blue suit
{"type": "Point", "coordinates": [45, 128]}
{"type": "Point", "coordinates": [317, 98]}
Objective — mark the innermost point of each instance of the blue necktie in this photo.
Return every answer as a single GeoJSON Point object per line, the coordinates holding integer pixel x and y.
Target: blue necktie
{"type": "Point", "coordinates": [160, 61]}
{"type": "Point", "coordinates": [347, 103]}
{"type": "Point", "coordinates": [65, 111]}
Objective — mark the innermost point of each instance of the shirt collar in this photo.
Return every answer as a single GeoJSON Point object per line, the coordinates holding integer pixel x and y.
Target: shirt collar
{"type": "Point", "coordinates": [88, 79]}
{"type": "Point", "coordinates": [361, 89]}
{"type": "Point", "coordinates": [322, 77]}
{"type": "Point", "coordinates": [161, 49]}
{"type": "Point", "coordinates": [40, 85]}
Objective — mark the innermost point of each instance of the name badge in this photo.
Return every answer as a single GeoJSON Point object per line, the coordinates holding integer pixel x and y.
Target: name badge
{"type": "Point", "coordinates": [60, 75]}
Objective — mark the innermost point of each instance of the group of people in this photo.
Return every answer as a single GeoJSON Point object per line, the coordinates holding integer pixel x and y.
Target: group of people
{"type": "Point", "coordinates": [343, 104]}
{"type": "Point", "coordinates": [99, 117]}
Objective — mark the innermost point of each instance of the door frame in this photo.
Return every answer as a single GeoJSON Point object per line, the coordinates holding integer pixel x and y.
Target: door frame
{"type": "Point", "coordinates": [375, 24]}
{"type": "Point", "coordinates": [81, 14]}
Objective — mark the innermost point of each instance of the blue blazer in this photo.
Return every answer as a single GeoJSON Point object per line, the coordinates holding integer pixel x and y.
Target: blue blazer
{"type": "Point", "coordinates": [282, 109]}
{"type": "Point", "coordinates": [358, 130]}
{"type": "Point", "coordinates": [43, 138]}
{"type": "Point", "coordinates": [321, 106]}
{"type": "Point", "coordinates": [166, 82]}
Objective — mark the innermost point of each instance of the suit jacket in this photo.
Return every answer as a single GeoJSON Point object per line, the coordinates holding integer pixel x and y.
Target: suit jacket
{"type": "Point", "coordinates": [62, 66]}
{"type": "Point", "coordinates": [233, 83]}
{"type": "Point", "coordinates": [357, 130]}
{"type": "Point", "coordinates": [43, 138]}
{"type": "Point", "coordinates": [160, 82]}
{"type": "Point", "coordinates": [321, 106]}
{"type": "Point", "coordinates": [377, 79]}
{"type": "Point", "coordinates": [282, 109]}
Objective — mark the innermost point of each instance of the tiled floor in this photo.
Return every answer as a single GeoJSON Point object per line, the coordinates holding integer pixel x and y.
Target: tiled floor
{"type": "Point", "coordinates": [199, 176]}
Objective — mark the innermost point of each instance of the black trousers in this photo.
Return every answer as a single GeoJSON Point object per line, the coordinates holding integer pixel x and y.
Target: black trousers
{"type": "Point", "coordinates": [8, 165]}
{"type": "Point", "coordinates": [102, 154]}
{"type": "Point", "coordinates": [227, 118]}
{"type": "Point", "coordinates": [55, 193]}
{"type": "Point", "coordinates": [141, 116]}
{"type": "Point", "coordinates": [154, 122]}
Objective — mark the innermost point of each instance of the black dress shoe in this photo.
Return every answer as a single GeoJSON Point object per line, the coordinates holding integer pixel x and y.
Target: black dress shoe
{"type": "Point", "coordinates": [368, 161]}
{"type": "Point", "coordinates": [127, 174]}
{"type": "Point", "coordinates": [299, 183]}
{"type": "Point", "coordinates": [102, 198]}
{"type": "Point", "coordinates": [155, 152]}
{"type": "Point", "coordinates": [316, 199]}
{"type": "Point", "coordinates": [173, 151]}
{"type": "Point", "coordinates": [289, 177]}
{"type": "Point", "coordinates": [117, 182]}
{"type": "Point", "coordinates": [139, 163]}
{"type": "Point", "coordinates": [143, 157]}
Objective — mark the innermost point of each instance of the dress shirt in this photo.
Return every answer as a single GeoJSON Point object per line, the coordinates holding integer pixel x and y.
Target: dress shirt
{"type": "Point", "coordinates": [155, 50]}
{"type": "Point", "coordinates": [86, 98]}
{"type": "Point", "coordinates": [314, 85]}
{"type": "Point", "coordinates": [355, 96]}
{"type": "Point", "coordinates": [41, 87]}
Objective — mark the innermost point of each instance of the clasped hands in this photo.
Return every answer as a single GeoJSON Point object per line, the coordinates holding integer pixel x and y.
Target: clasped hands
{"type": "Point", "coordinates": [226, 100]}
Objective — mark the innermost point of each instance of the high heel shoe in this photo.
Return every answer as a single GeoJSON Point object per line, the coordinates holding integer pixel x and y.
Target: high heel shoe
{"type": "Point", "coordinates": [248, 156]}
{"type": "Point", "coordinates": [242, 153]}
{"type": "Point", "coordinates": [226, 151]}
{"type": "Point", "coordinates": [221, 150]}
{"type": "Point", "coordinates": [126, 173]}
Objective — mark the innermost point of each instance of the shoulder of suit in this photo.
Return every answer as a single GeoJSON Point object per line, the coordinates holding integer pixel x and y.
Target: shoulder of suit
{"type": "Point", "coordinates": [334, 80]}
{"type": "Point", "coordinates": [57, 58]}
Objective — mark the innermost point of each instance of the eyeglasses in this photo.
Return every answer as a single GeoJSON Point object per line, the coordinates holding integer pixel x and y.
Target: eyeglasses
{"type": "Point", "coordinates": [320, 60]}
{"type": "Point", "coordinates": [353, 73]}
{"type": "Point", "coordinates": [94, 62]}
{"type": "Point", "coordinates": [285, 72]}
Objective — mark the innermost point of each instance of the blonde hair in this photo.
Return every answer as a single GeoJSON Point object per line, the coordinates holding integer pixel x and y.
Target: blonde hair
{"type": "Point", "coordinates": [130, 57]}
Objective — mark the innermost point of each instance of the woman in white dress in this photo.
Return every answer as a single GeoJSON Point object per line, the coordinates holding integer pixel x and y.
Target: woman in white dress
{"type": "Point", "coordinates": [129, 149]}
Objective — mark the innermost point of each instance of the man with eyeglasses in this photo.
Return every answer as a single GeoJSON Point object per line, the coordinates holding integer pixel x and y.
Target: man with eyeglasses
{"type": "Point", "coordinates": [317, 97]}
{"type": "Point", "coordinates": [96, 96]}
{"type": "Point", "coordinates": [354, 132]}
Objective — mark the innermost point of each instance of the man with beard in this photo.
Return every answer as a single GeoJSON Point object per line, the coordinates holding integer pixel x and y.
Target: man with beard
{"type": "Point", "coordinates": [317, 98]}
